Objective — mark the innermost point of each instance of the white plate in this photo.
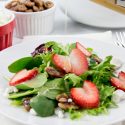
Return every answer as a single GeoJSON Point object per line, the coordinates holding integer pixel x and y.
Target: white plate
{"type": "Point", "coordinates": [88, 12]}
{"type": "Point", "coordinates": [24, 49]}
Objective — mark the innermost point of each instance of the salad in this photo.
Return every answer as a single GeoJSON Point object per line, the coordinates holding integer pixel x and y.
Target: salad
{"type": "Point", "coordinates": [59, 80]}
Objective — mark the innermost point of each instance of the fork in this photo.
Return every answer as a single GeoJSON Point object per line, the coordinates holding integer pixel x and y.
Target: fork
{"type": "Point", "coordinates": [120, 39]}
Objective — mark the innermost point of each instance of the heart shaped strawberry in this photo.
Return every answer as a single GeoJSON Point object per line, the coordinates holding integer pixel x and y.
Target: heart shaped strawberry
{"type": "Point", "coordinates": [86, 97]}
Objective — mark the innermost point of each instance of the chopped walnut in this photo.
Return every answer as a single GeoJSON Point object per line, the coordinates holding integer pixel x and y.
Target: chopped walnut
{"type": "Point", "coordinates": [66, 106]}
{"type": "Point", "coordinates": [64, 103]}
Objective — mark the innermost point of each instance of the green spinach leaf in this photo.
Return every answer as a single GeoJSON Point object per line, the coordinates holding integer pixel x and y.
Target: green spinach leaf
{"type": "Point", "coordinates": [22, 94]}
{"type": "Point", "coordinates": [43, 106]}
{"type": "Point", "coordinates": [36, 82]}
{"type": "Point", "coordinates": [52, 88]}
{"type": "Point", "coordinates": [19, 64]}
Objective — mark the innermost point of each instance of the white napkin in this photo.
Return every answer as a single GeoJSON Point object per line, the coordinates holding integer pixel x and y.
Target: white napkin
{"type": "Point", "coordinates": [102, 37]}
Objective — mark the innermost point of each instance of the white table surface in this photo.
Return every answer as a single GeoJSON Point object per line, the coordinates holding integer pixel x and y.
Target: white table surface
{"type": "Point", "coordinates": [63, 26]}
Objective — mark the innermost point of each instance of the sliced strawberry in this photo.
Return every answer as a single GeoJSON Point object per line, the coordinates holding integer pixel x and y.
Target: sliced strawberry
{"type": "Point", "coordinates": [78, 61]}
{"type": "Point", "coordinates": [118, 83]}
{"type": "Point", "coordinates": [62, 62]}
{"type": "Point", "coordinates": [23, 76]}
{"type": "Point", "coordinates": [86, 97]}
{"type": "Point", "coordinates": [83, 49]}
{"type": "Point", "coordinates": [122, 75]}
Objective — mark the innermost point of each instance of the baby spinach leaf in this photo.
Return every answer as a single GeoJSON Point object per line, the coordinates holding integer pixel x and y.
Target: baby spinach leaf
{"type": "Point", "coordinates": [52, 88]}
{"type": "Point", "coordinates": [19, 64]}
{"type": "Point", "coordinates": [43, 106]}
{"type": "Point", "coordinates": [35, 62]}
{"type": "Point", "coordinates": [22, 94]}
{"type": "Point", "coordinates": [37, 82]}
{"type": "Point", "coordinates": [50, 93]}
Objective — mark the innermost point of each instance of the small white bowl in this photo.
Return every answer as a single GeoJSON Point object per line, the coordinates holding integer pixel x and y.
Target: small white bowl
{"type": "Point", "coordinates": [34, 23]}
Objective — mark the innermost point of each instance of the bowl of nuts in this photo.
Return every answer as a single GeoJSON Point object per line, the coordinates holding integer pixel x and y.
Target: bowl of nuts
{"type": "Point", "coordinates": [33, 17]}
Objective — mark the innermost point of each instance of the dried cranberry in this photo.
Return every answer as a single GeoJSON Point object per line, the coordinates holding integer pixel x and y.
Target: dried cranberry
{"type": "Point", "coordinates": [26, 104]}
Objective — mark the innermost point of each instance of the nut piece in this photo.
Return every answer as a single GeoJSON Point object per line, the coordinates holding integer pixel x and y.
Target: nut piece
{"type": "Point", "coordinates": [29, 10]}
{"type": "Point", "coordinates": [64, 95]}
{"type": "Point", "coordinates": [63, 100]}
{"type": "Point", "coordinates": [41, 8]}
{"type": "Point", "coordinates": [54, 72]}
{"type": "Point", "coordinates": [48, 4]}
{"type": "Point", "coordinates": [39, 3]}
{"type": "Point", "coordinates": [35, 9]}
{"type": "Point", "coordinates": [21, 8]}
{"type": "Point", "coordinates": [66, 106]}
{"type": "Point", "coordinates": [29, 4]}
{"type": "Point", "coordinates": [8, 6]}
{"type": "Point", "coordinates": [13, 4]}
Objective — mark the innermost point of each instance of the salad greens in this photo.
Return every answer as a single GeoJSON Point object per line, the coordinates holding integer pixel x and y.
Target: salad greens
{"type": "Point", "coordinates": [42, 105]}
{"type": "Point", "coordinates": [52, 88]}
{"type": "Point", "coordinates": [37, 82]}
{"type": "Point", "coordinates": [19, 64]}
{"type": "Point", "coordinates": [44, 89]}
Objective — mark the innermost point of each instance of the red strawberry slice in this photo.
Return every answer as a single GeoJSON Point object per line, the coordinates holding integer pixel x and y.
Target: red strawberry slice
{"type": "Point", "coordinates": [122, 75]}
{"type": "Point", "coordinates": [86, 97]}
{"type": "Point", "coordinates": [118, 83]}
{"type": "Point", "coordinates": [23, 76]}
{"type": "Point", "coordinates": [78, 61]}
{"type": "Point", "coordinates": [62, 62]}
{"type": "Point", "coordinates": [83, 49]}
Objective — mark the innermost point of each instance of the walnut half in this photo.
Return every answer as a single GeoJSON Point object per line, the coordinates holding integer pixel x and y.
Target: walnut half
{"type": "Point", "coordinates": [63, 102]}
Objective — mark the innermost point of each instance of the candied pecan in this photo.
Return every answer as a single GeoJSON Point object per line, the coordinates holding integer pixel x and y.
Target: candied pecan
{"type": "Point", "coordinates": [54, 72]}
{"type": "Point", "coordinates": [8, 6]}
{"type": "Point", "coordinates": [29, 10]}
{"type": "Point", "coordinates": [14, 8]}
{"type": "Point", "coordinates": [21, 8]}
{"type": "Point", "coordinates": [13, 4]}
{"type": "Point", "coordinates": [35, 9]}
{"type": "Point", "coordinates": [15, 0]}
{"type": "Point", "coordinates": [48, 4]}
{"type": "Point", "coordinates": [63, 95]}
{"type": "Point", "coordinates": [29, 4]}
{"type": "Point", "coordinates": [62, 100]}
{"type": "Point", "coordinates": [41, 8]}
{"type": "Point", "coordinates": [39, 3]}
{"type": "Point", "coordinates": [66, 106]}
